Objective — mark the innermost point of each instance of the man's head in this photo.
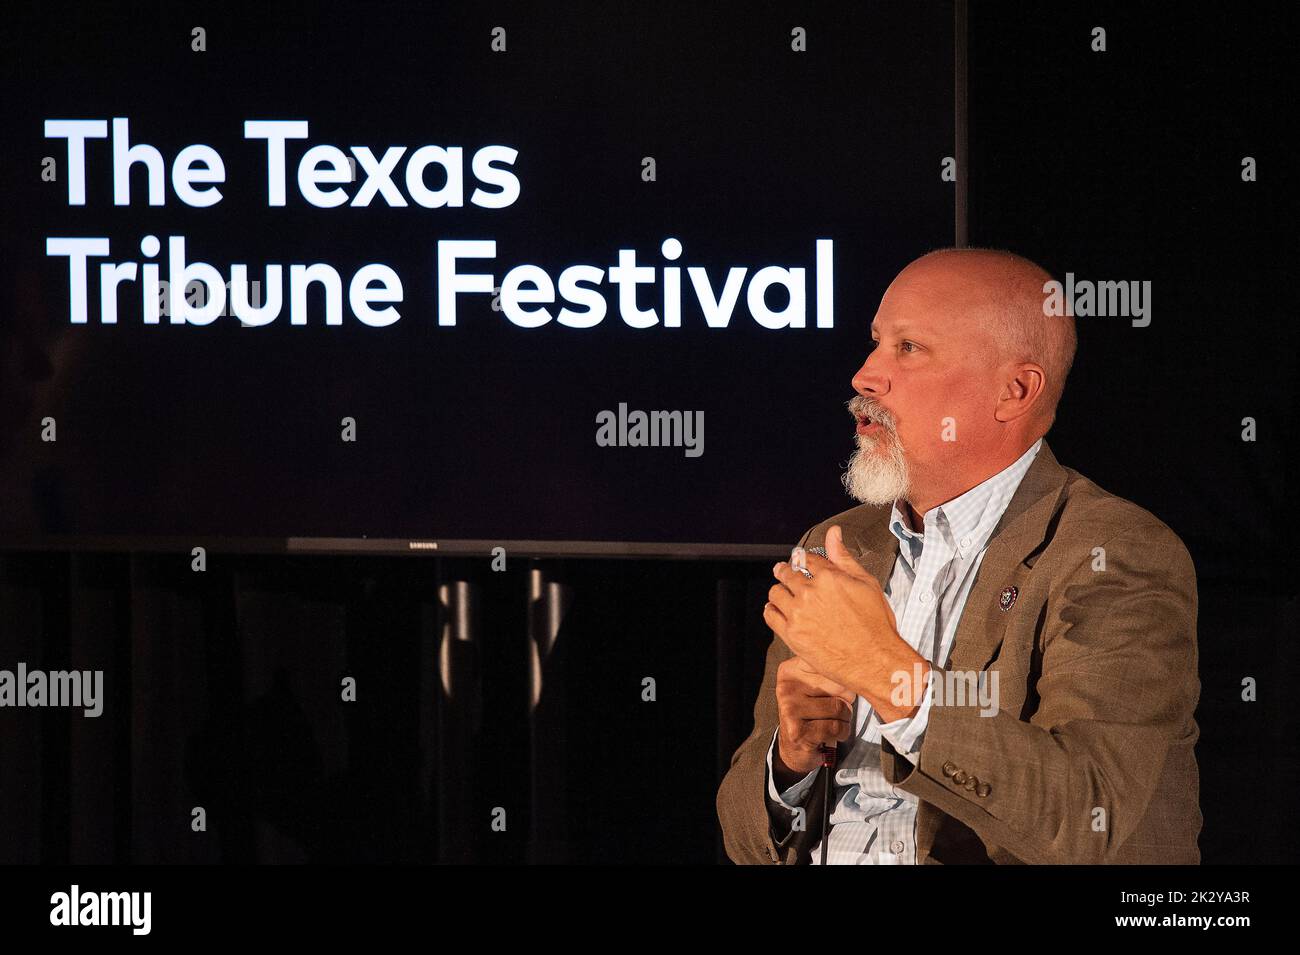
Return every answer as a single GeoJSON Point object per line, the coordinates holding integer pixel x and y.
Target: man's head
{"type": "Point", "coordinates": [965, 374]}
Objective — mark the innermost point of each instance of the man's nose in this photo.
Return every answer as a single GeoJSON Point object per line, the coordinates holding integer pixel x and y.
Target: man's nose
{"type": "Point", "coordinates": [869, 381]}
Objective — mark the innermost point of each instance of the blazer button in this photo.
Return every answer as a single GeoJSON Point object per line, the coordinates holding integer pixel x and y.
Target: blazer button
{"type": "Point", "coordinates": [971, 783]}
{"type": "Point", "coordinates": [983, 790]}
{"type": "Point", "coordinates": [959, 777]}
{"type": "Point", "coordinates": [949, 768]}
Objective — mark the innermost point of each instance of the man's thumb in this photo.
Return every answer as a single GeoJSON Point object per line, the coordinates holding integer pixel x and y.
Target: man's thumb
{"type": "Point", "coordinates": [839, 555]}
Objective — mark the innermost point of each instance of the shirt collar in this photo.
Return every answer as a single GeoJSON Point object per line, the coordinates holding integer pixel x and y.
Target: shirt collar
{"type": "Point", "coordinates": [966, 521]}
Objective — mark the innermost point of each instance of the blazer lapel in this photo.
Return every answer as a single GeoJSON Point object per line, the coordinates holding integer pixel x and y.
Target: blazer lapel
{"type": "Point", "coordinates": [866, 536]}
{"type": "Point", "coordinates": [1018, 534]}
{"type": "Point", "coordinates": [877, 554]}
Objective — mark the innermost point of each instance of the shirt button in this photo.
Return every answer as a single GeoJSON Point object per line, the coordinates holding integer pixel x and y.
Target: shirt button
{"type": "Point", "coordinates": [965, 542]}
{"type": "Point", "coordinates": [897, 847]}
{"type": "Point", "coordinates": [925, 597]}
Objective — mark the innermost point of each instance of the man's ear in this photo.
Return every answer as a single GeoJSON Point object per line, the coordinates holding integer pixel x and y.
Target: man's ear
{"type": "Point", "coordinates": [1021, 392]}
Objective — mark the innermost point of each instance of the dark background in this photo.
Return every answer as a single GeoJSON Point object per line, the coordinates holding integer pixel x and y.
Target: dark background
{"type": "Point", "coordinates": [224, 686]}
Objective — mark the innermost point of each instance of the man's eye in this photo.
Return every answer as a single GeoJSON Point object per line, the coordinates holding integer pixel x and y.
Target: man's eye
{"type": "Point", "coordinates": [908, 346]}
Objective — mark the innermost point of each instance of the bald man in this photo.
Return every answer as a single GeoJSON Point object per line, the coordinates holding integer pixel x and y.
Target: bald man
{"type": "Point", "coordinates": [998, 655]}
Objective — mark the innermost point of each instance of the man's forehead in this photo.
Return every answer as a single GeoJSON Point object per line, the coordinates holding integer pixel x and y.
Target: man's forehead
{"type": "Point", "coordinates": [921, 307]}
{"type": "Point", "coordinates": [889, 322]}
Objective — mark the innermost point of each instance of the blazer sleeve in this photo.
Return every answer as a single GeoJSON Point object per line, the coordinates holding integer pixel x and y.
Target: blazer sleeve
{"type": "Point", "coordinates": [1118, 683]}
{"type": "Point", "coordinates": [747, 832]}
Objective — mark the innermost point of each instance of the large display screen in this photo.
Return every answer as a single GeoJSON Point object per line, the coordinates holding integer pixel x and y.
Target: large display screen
{"type": "Point", "coordinates": [456, 273]}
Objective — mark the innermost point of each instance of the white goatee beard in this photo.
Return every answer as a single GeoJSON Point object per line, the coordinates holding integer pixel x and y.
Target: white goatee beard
{"type": "Point", "coordinates": [873, 477]}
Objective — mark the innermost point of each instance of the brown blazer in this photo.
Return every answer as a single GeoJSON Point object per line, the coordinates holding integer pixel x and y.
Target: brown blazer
{"type": "Point", "coordinates": [1090, 756]}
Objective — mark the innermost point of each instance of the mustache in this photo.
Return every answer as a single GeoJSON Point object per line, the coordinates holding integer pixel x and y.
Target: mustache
{"type": "Point", "coordinates": [862, 406]}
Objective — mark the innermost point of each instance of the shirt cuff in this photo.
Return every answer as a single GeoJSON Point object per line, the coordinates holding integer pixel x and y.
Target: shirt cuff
{"type": "Point", "coordinates": [907, 733]}
{"type": "Point", "coordinates": [793, 796]}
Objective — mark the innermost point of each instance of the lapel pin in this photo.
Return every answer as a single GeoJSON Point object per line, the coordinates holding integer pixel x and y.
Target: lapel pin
{"type": "Point", "coordinates": [1007, 599]}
